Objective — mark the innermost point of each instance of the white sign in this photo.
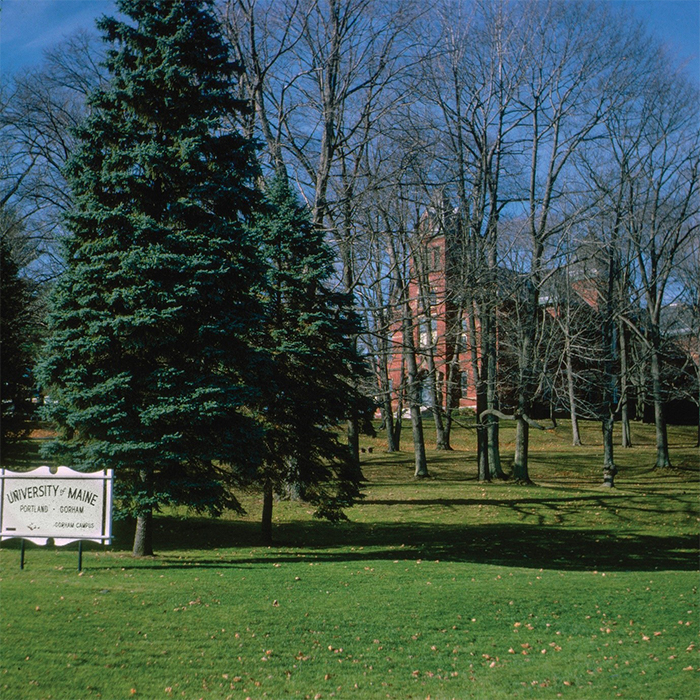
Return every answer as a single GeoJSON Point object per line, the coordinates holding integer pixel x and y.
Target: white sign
{"type": "Point", "coordinates": [56, 502]}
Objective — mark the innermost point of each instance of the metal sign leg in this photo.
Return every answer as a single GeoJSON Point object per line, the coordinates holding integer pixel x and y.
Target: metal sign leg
{"type": "Point", "coordinates": [21, 556]}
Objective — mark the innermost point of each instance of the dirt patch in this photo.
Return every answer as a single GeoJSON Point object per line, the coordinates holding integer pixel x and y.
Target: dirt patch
{"type": "Point", "coordinates": [41, 433]}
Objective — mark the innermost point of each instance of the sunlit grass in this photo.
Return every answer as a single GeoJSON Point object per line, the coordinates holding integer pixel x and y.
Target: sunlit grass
{"type": "Point", "coordinates": [445, 588]}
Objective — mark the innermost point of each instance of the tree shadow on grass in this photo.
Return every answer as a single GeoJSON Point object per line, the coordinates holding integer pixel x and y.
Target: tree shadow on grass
{"type": "Point", "coordinates": [539, 510]}
{"type": "Point", "coordinates": [548, 535]}
{"type": "Point", "coordinates": [513, 544]}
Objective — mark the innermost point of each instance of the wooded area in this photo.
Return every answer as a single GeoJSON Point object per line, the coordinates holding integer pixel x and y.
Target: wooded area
{"type": "Point", "coordinates": [548, 152]}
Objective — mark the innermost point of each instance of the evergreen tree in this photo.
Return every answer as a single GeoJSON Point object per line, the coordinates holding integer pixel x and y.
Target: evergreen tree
{"type": "Point", "coordinates": [17, 340]}
{"type": "Point", "coordinates": [149, 360]}
{"type": "Point", "coordinates": [310, 387]}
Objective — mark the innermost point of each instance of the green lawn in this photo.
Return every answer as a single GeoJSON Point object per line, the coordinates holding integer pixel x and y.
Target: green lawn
{"type": "Point", "coordinates": [444, 588]}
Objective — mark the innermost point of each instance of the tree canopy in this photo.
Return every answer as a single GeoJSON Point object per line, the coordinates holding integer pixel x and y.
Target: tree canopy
{"type": "Point", "coordinates": [149, 359]}
{"type": "Point", "coordinates": [312, 385]}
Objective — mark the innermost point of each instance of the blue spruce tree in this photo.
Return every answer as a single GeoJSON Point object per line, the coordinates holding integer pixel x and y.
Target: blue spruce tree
{"type": "Point", "coordinates": [149, 361]}
{"type": "Point", "coordinates": [311, 384]}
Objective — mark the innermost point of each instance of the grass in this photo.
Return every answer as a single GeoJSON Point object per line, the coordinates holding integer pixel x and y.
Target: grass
{"type": "Point", "coordinates": [444, 588]}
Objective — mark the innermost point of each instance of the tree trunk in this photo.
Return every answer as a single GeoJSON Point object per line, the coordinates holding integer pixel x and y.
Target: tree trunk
{"type": "Point", "coordinates": [494, 449]}
{"type": "Point", "coordinates": [663, 459]}
{"type": "Point", "coordinates": [388, 419]}
{"type": "Point", "coordinates": [492, 425]}
{"type": "Point", "coordinates": [452, 386]}
{"type": "Point", "coordinates": [478, 365]}
{"type": "Point", "coordinates": [143, 536]}
{"type": "Point", "coordinates": [442, 437]}
{"type": "Point", "coordinates": [267, 513]}
{"type": "Point", "coordinates": [354, 440]}
{"type": "Point", "coordinates": [522, 439]}
{"type": "Point", "coordinates": [625, 424]}
{"type": "Point", "coordinates": [624, 390]}
{"type": "Point", "coordinates": [398, 420]}
{"type": "Point", "coordinates": [641, 390]}
{"type": "Point", "coordinates": [448, 427]}
{"type": "Point", "coordinates": [398, 425]}
{"type": "Point", "coordinates": [421, 462]}
{"type": "Point", "coordinates": [482, 455]}
{"type": "Point", "coordinates": [609, 468]}
{"type": "Point", "coordinates": [697, 444]}
{"type": "Point", "coordinates": [575, 434]}
{"type": "Point", "coordinates": [612, 350]}
{"type": "Point", "coordinates": [385, 388]}
{"type": "Point", "coordinates": [414, 394]}
{"type": "Point", "coordinates": [526, 368]}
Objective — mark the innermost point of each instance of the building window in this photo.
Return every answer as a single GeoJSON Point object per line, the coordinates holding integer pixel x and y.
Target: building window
{"type": "Point", "coordinates": [427, 333]}
{"type": "Point", "coordinates": [427, 391]}
{"type": "Point", "coordinates": [464, 384]}
{"type": "Point", "coordinates": [435, 259]}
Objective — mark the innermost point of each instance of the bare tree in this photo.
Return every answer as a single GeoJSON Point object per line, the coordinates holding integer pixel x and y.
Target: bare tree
{"type": "Point", "coordinates": [687, 330]}
{"type": "Point", "coordinates": [398, 250]}
{"type": "Point", "coordinates": [467, 82]}
{"type": "Point", "coordinates": [39, 107]}
{"type": "Point", "coordinates": [664, 209]}
{"type": "Point", "coordinates": [42, 107]}
{"type": "Point", "coordinates": [490, 103]}
{"type": "Point", "coordinates": [656, 185]}
{"type": "Point", "coordinates": [321, 76]}
{"type": "Point", "coordinates": [575, 54]}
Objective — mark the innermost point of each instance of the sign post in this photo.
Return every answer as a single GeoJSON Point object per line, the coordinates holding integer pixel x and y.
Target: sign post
{"type": "Point", "coordinates": [58, 503]}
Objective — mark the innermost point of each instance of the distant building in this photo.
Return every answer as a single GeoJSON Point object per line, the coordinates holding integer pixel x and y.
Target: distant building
{"type": "Point", "coordinates": [447, 335]}
{"type": "Point", "coordinates": [439, 322]}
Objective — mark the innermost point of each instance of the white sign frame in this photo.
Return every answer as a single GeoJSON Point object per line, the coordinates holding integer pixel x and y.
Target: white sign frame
{"type": "Point", "coordinates": [58, 503]}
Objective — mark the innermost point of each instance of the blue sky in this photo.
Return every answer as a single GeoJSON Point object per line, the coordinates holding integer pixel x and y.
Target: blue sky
{"type": "Point", "coordinates": [676, 23]}
{"type": "Point", "coordinates": [28, 27]}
